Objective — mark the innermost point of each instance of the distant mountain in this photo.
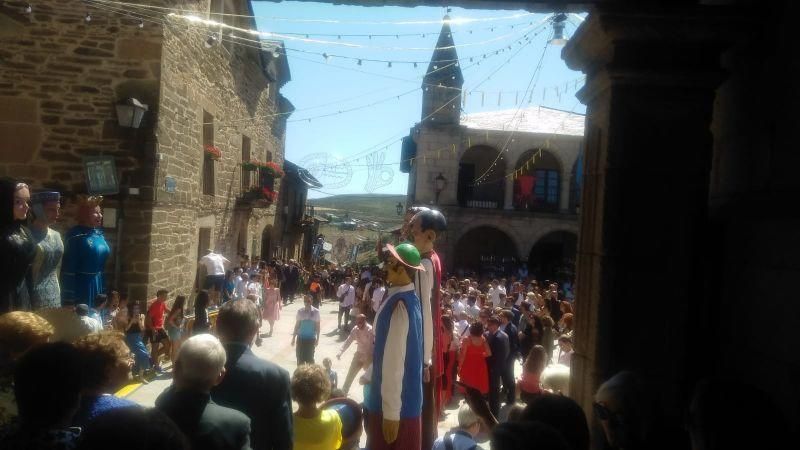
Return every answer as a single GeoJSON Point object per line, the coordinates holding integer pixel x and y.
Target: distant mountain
{"type": "Point", "coordinates": [381, 208]}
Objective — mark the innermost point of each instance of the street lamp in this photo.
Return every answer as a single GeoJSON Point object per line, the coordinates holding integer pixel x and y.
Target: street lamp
{"type": "Point", "coordinates": [130, 113]}
{"type": "Point", "coordinates": [558, 29]}
{"type": "Point", "coordinates": [399, 208]}
{"type": "Point", "coordinates": [440, 182]}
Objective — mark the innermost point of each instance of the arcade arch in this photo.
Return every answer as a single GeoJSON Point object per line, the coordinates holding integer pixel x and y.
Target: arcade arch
{"type": "Point", "coordinates": [489, 192]}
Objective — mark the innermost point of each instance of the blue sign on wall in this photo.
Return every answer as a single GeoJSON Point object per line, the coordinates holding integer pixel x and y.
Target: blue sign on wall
{"type": "Point", "coordinates": [170, 184]}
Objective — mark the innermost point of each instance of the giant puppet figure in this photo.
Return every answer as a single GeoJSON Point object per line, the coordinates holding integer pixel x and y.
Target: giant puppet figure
{"type": "Point", "coordinates": [45, 209]}
{"type": "Point", "coordinates": [394, 403]}
{"type": "Point", "coordinates": [85, 253]}
{"type": "Point", "coordinates": [426, 226]}
{"type": "Point", "coordinates": [17, 247]}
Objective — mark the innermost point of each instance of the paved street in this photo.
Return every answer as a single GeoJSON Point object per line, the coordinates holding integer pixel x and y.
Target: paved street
{"type": "Point", "coordinates": [279, 349]}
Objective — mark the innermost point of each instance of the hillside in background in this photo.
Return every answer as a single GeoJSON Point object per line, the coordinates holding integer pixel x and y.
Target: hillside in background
{"type": "Point", "coordinates": [380, 208]}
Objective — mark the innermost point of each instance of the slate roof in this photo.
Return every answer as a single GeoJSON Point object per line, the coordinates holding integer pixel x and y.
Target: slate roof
{"type": "Point", "coordinates": [534, 119]}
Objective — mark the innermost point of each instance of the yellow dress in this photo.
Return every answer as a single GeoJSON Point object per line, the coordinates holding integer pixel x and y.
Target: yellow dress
{"type": "Point", "coordinates": [321, 433]}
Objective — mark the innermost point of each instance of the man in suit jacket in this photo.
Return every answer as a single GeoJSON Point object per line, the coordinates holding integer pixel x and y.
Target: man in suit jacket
{"type": "Point", "coordinates": [498, 344]}
{"type": "Point", "coordinates": [200, 365]}
{"type": "Point", "coordinates": [256, 387]}
{"type": "Point", "coordinates": [507, 327]}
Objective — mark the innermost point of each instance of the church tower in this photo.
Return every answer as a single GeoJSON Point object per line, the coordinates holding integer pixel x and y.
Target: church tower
{"type": "Point", "coordinates": [441, 86]}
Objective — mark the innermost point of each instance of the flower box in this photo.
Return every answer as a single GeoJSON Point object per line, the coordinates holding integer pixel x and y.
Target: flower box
{"type": "Point", "coordinates": [212, 152]}
{"type": "Point", "coordinates": [269, 168]}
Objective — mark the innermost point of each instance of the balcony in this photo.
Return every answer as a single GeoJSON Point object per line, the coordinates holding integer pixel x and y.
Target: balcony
{"type": "Point", "coordinates": [258, 185]}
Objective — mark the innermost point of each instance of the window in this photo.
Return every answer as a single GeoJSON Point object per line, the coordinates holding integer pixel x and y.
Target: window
{"type": "Point", "coordinates": [246, 174]}
{"type": "Point", "coordinates": [269, 156]}
{"type": "Point", "coordinates": [208, 163]}
{"type": "Point", "coordinates": [545, 190]}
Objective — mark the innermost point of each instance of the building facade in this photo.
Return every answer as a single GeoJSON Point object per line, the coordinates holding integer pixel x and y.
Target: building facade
{"type": "Point", "coordinates": [508, 181]}
{"type": "Point", "coordinates": [61, 79]}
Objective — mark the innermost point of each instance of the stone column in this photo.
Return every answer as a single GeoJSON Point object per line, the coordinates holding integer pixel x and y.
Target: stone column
{"type": "Point", "coordinates": [508, 197]}
{"type": "Point", "coordinates": [649, 94]}
{"type": "Point", "coordinates": [563, 196]}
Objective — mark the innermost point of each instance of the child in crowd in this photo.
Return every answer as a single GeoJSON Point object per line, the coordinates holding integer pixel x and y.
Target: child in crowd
{"type": "Point", "coordinates": [314, 429]}
{"type": "Point", "coordinates": [565, 355]}
{"type": "Point", "coordinates": [331, 373]}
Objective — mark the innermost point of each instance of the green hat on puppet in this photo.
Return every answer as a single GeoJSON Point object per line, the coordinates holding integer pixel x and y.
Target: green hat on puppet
{"type": "Point", "coordinates": [407, 254]}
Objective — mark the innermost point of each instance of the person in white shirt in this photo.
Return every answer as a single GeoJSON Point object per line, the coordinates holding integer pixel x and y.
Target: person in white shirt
{"type": "Point", "coordinates": [214, 265]}
{"type": "Point", "coordinates": [89, 324]}
{"type": "Point", "coordinates": [241, 281]}
{"type": "Point", "coordinates": [462, 325]}
{"type": "Point", "coordinates": [497, 293]}
{"type": "Point", "coordinates": [254, 289]}
{"type": "Point", "coordinates": [377, 295]}
{"type": "Point", "coordinates": [347, 298]}
{"type": "Point", "coordinates": [365, 339]}
{"type": "Point", "coordinates": [458, 305]}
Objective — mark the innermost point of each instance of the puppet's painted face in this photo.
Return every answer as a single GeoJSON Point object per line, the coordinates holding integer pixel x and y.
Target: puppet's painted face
{"type": "Point", "coordinates": [423, 240]}
{"type": "Point", "coordinates": [396, 272]}
{"type": "Point", "coordinates": [22, 201]}
{"type": "Point", "coordinates": [91, 217]}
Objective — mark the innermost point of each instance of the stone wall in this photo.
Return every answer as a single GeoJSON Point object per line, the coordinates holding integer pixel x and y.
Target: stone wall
{"type": "Point", "coordinates": [60, 78]}
{"type": "Point", "coordinates": [227, 82]}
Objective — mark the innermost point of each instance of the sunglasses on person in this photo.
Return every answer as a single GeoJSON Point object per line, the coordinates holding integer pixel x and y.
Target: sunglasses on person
{"type": "Point", "coordinates": [603, 413]}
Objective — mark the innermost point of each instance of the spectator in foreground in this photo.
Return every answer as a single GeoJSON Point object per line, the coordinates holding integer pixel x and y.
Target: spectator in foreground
{"type": "Point", "coordinates": [256, 387]}
{"type": "Point", "coordinates": [719, 420]}
{"type": "Point", "coordinates": [523, 435]}
{"type": "Point", "coordinates": [463, 436]}
{"type": "Point", "coordinates": [133, 429]}
{"type": "Point", "coordinates": [564, 415]}
{"type": "Point", "coordinates": [89, 324]}
{"type": "Point", "coordinates": [47, 387]}
{"type": "Point", "coordinates": [314, 429]}
{"type": "Point", "coordinates": [106, 364]}
{"type": "Point", "coordinates": [19, 332]}
{"type": "Point", "coordinates": [199, 366]}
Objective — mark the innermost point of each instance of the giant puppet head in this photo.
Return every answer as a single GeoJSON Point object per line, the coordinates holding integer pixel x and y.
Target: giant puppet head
{"type": "Point", "coordinates": [89, 212]}
{"type": "Point", "coordinates": [401, 263]}
{"type": "Point", "coordinates": [426, 226]}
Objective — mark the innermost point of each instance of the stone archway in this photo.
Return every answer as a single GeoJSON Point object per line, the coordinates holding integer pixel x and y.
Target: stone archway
{"type": "Point", "coordinates": [552, 257]}
{"type": "Point", "coordinates": [485, 249]}
{"type": "Point", "coordinates": [480, 178]}
{"type": "Point", "coordinates": [538, 185]}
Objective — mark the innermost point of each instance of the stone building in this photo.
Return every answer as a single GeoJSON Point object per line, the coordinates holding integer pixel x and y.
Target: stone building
{"type": "Point", "coordinates": [61, 77]}
{"type": "Point", "coordinates": [507, 181]}
{"type": "Point", "coordinates": [296, 227]}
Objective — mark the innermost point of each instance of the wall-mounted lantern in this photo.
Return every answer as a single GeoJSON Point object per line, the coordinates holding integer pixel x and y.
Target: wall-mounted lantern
{"type": "Point", "coordinates": [130, 113]}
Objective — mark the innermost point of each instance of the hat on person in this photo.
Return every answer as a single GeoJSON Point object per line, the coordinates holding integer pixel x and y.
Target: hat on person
{"type": "Point", "coordinates": [45, 196]}
{"type": "Point", "coordinates": [407, 254]}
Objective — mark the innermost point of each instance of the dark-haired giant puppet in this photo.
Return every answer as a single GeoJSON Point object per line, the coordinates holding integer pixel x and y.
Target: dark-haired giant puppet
{"type": "Point", "coordinates": [426, 226]}
{"type": "Point", "coordinates": [16, 246]}
{"type": "Point", "coordinates": [85, 254]}
{"type": "Point", "coordinates": [46, 290]}
{"type": "Point", "coordinates": [394, 403]}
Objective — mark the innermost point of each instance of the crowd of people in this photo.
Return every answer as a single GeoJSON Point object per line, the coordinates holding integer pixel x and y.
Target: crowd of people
{"type": "Point", "coordinates": [502, 343]}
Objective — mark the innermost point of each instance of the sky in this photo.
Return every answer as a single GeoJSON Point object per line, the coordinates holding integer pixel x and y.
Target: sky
{"type": "Point", "coordinates": [359, 113]}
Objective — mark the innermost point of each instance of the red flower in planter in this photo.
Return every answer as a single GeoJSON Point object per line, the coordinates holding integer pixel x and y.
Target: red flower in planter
{"type": "Point", "coordinates": [269, 194]}
{"type": "Point", "coordinates": [212, 152]}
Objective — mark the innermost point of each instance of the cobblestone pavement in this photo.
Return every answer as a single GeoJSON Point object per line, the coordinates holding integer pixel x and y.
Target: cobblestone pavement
{"type": "Point", "coordinates": [279, 350]}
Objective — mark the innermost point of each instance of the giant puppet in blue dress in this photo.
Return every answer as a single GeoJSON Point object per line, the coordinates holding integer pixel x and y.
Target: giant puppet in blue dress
{"type": "Point", "coordinates": [85, 254]}
{"type": "Point", "coordinates": [394, 402]}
